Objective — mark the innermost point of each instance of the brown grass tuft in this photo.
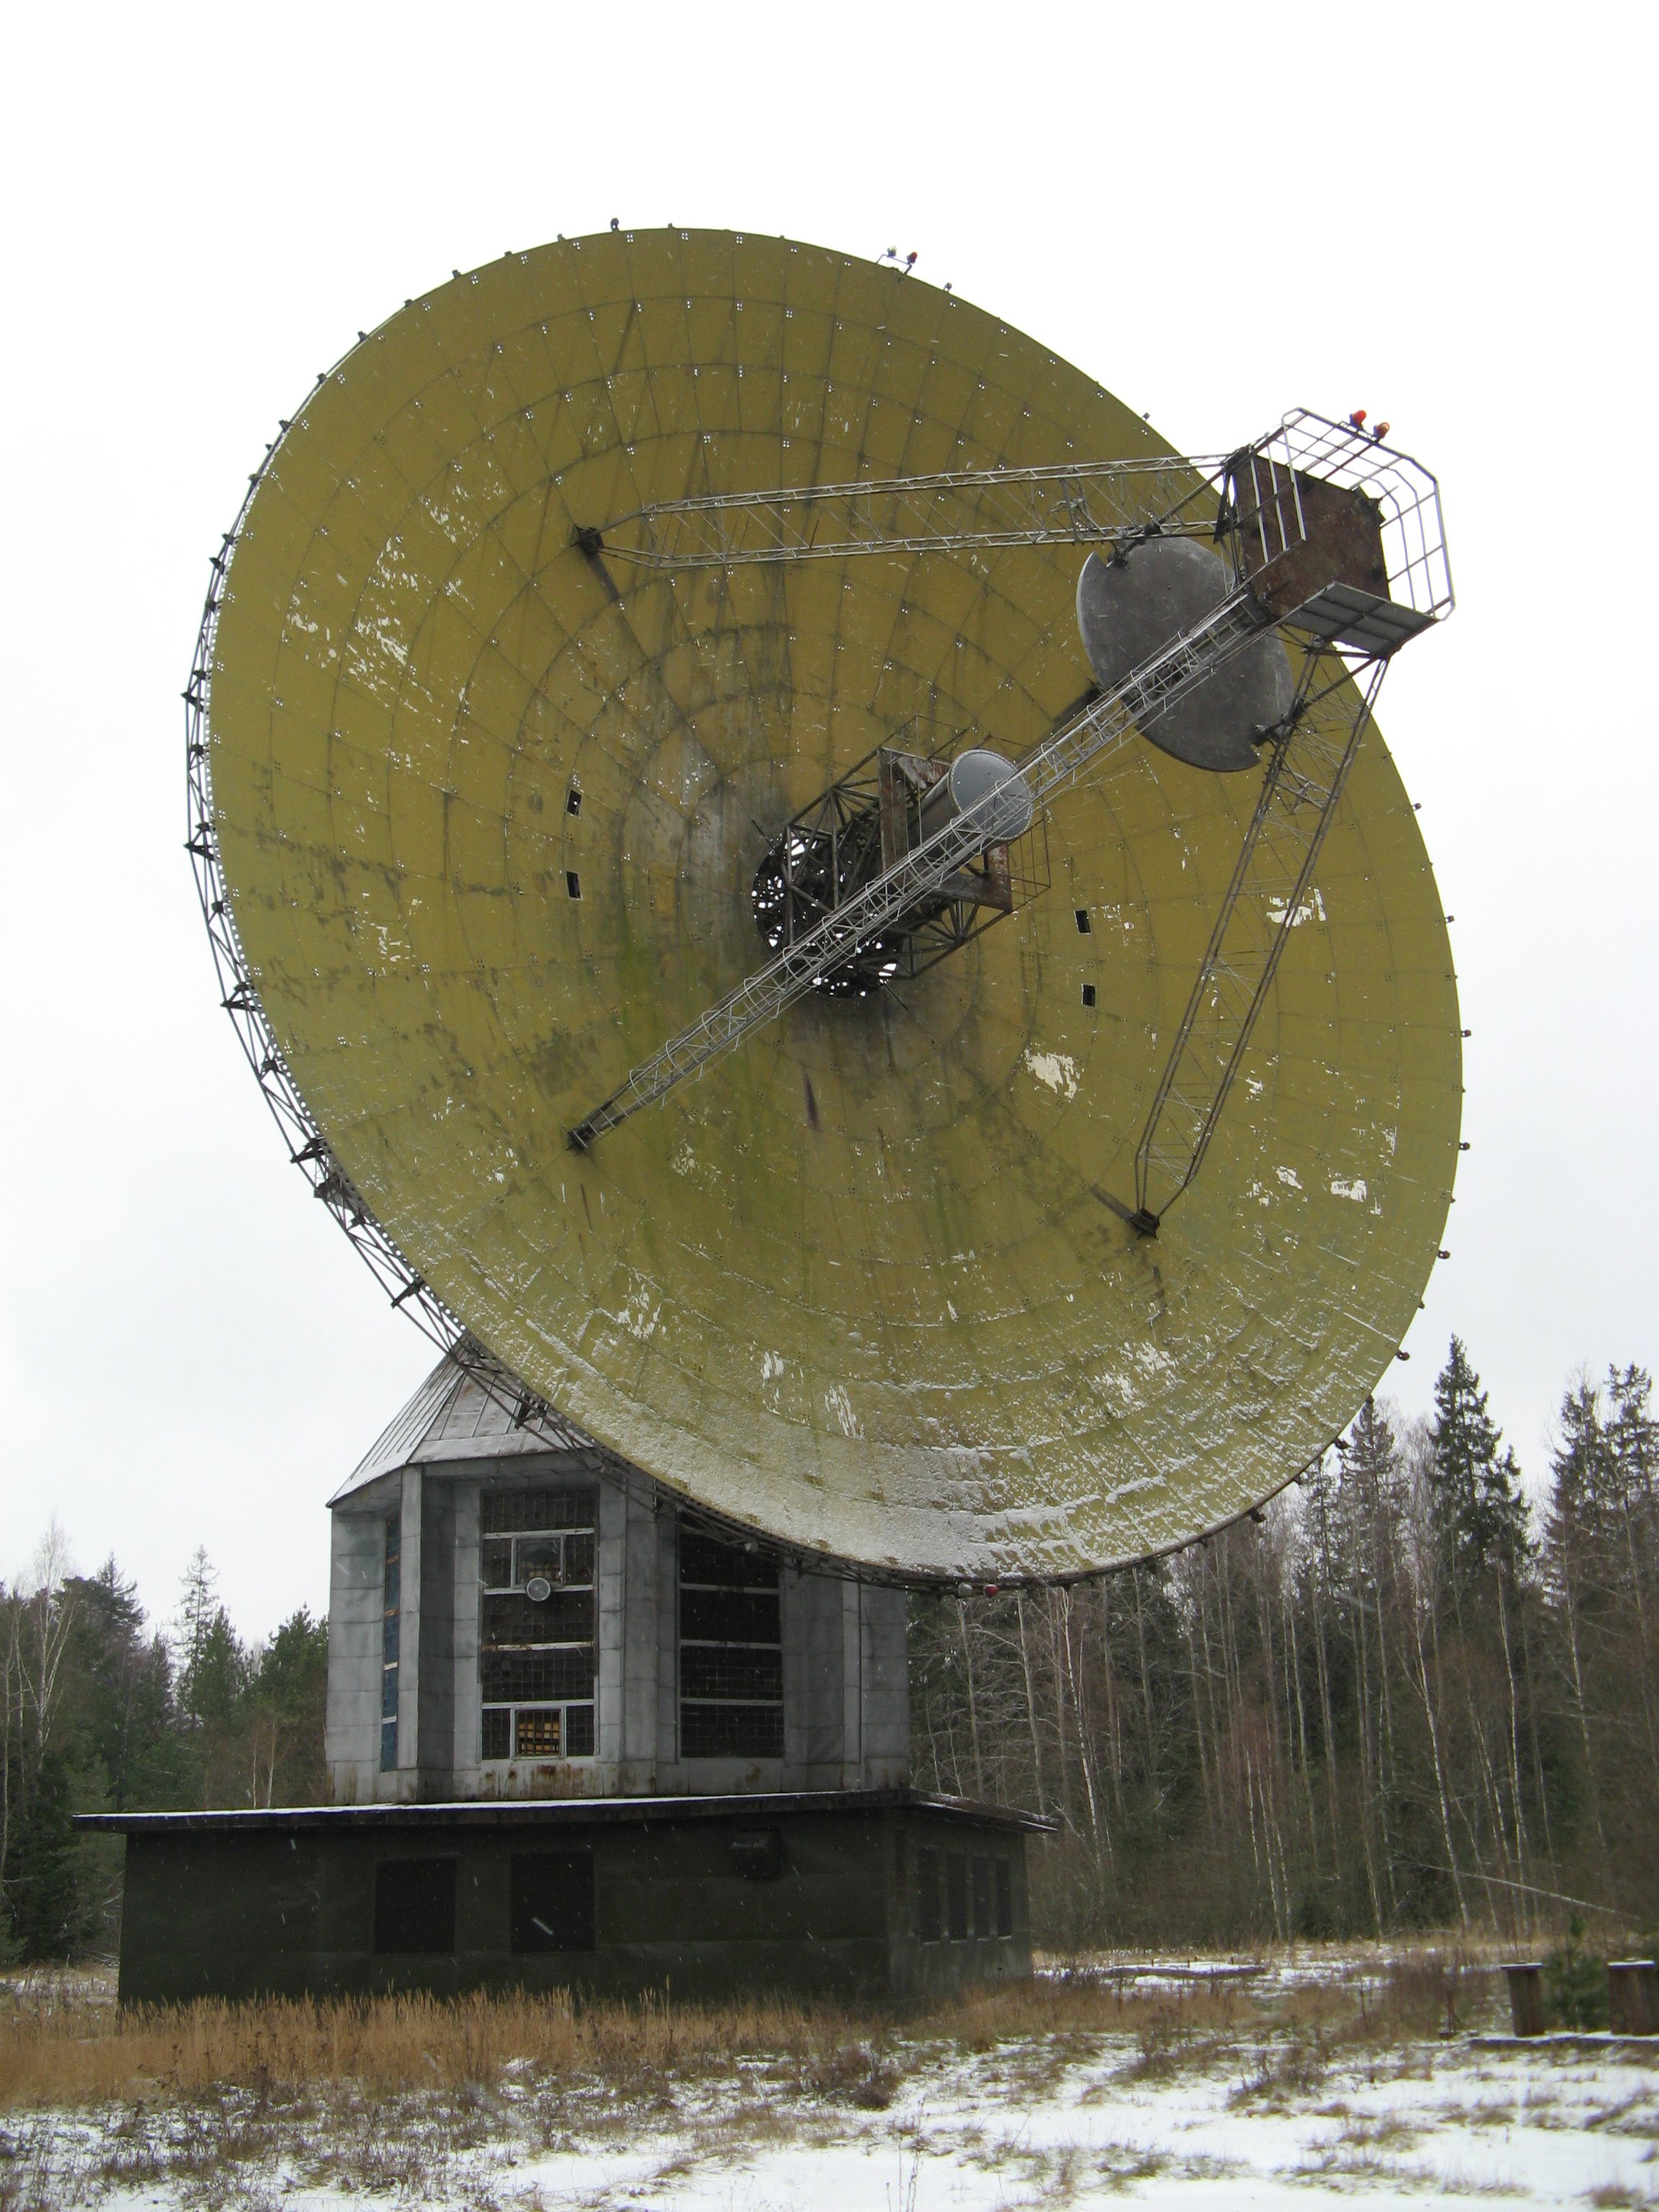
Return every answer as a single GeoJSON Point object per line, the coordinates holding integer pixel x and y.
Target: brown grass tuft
{"type": "Point", "coordinates": [64, 2044]}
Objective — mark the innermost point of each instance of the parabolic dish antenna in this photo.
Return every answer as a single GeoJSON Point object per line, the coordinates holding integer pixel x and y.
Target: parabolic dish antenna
{"type": "Point", "coordinates": [509, 765]}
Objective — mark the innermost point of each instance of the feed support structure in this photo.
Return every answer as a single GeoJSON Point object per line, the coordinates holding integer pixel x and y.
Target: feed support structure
{"type": "Point", "coordinates": [862, 1894]}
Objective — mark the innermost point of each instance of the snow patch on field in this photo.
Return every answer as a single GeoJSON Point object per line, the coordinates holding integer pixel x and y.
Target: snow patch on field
{"type": "Point", "coordinates": [1063, 2120]}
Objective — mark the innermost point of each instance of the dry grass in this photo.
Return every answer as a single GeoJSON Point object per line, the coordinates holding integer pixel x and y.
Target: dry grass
{"type": "Point", "coordinates": [66, 2053]}
{"type": "Point", "coordinates": [64, 2044]}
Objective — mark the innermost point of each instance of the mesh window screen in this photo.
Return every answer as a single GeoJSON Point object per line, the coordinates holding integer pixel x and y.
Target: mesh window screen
{"type": "Point", "coordinates": [536, 1645]}
{"type": "Point", "coordinates": [731, 1649]}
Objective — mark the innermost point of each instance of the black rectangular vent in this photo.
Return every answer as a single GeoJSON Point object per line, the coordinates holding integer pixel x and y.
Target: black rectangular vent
{"type": "Point", "coordinates": [955, 1896]}
{"type": "Point", "coordinates": [564, 1616]}
{"type": "Point", "coordinates": [521, 1677]}
{"type": "Point", "coordinates": [757, 1853]}
{"type": "Point", "coordinates": [711, 1559]}
{"type": "Point", "coordinates": [552, 1907]}
{"type": "Point", "coordinates": [414, 1907]}
{"type": "Point", "coordinates": [930, 1921]}
{"type": "Point", "coordinates": [743, 1671]}
{"type": "Point", "coordinates": [981, 1896]}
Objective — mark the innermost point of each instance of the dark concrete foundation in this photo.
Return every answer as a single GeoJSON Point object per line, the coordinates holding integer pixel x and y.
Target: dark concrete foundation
{"type": "Point", "coordinates": [870, 1894]}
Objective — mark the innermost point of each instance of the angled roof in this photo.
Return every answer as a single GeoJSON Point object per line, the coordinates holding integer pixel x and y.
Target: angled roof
{"type": "Point", "coordinates": [467, 1409]}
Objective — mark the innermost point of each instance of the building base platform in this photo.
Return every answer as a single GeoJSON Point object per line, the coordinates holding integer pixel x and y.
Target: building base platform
{"type": "Point", "coordinates": [876, 1894]}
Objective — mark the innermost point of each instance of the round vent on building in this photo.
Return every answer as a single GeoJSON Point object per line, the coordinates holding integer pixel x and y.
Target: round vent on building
{"type": "Point", "coordinates": [538, 1590]}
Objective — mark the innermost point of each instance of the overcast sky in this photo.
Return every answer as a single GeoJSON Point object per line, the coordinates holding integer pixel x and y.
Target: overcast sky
{"type": "Point", "coordinates": [1443, 214]}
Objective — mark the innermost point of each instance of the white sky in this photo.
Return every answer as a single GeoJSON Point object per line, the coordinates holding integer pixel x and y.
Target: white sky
{"type": "Point", "coordinates": [1444, 214]}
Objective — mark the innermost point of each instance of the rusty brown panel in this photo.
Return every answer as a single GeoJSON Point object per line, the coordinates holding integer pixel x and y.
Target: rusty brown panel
{"type": "Point", "coordinates": [1342, 544]}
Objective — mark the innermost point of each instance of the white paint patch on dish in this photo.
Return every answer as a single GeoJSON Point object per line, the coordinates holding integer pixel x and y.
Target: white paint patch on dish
{"type": "Point", "coordinates": [1057, 1069]}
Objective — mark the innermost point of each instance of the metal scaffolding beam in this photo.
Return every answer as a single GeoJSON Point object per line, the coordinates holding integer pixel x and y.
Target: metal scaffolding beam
{"type": "Point", "coordinates": [1083, 503]}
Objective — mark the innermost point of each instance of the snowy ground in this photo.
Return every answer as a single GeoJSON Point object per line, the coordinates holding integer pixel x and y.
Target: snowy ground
{"type": "Point", "coordinates": [1065, 2120]}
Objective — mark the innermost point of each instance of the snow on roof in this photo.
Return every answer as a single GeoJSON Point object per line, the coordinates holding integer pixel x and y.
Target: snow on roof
{"type": "Point", "coordinates": [467, 1409]}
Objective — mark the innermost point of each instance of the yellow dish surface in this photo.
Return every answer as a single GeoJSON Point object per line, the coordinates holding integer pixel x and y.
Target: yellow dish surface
{"type": "Point", "coordinates": [854, 1286]}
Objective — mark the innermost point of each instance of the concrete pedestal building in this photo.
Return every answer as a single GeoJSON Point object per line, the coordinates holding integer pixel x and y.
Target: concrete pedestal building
{"type": "Point", "coordinates": [578, 1736]}
{"type": "Point", "coordinates": [508, 1620]}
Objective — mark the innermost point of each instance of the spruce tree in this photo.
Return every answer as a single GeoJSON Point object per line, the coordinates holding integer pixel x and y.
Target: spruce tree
{"type": "Point", "coordinates": [1481, 1510]}
{"type": "Point", "coordinates": [1583, 1509]}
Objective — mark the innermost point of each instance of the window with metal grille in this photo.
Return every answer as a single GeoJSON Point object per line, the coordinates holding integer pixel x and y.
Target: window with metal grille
{"type": "Point", "coordinates": [977, 1897]}
{"type": "Point", "coordinates": [536, 1623]}
{"type": "Point", "coordinates": [390, 1612]}
{"type": "Point", "coordinates": [731, 1649]}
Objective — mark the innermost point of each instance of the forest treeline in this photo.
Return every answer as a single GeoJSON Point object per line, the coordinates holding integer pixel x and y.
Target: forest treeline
{"type": "Point", "coordinates": [104, 1712]}
{"type": "Point", "coordinates": [1401, 1694]}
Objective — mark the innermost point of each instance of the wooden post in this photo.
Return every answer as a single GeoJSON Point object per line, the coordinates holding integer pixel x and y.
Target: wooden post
{"type": "Point", "coordinates": [1526, 1980]}
{"type": "Point", "coordinates": [1633, 1997]}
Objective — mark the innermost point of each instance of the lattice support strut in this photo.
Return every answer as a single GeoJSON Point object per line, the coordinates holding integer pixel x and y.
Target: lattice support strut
{"type": "Point", "coordinates": [1270, 894]}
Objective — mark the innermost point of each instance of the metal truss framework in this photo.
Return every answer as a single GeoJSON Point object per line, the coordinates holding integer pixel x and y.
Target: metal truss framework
{"type": "Point", "coordinates": [1106, 723]}
{"type": "Point", "coordinates": [1083, 503]}
{"type": "Point", "coordinates": [848, 834]}
{"type": "Point", "coordinates": [1249, 500]}
{"type": "Point", "coordinates": [1269, 895]}
{"type": "Point", "coordinates": [1285, 509]}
